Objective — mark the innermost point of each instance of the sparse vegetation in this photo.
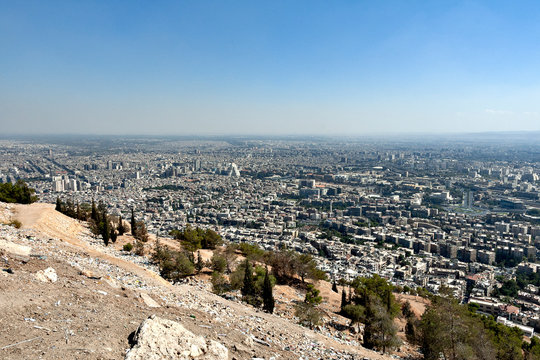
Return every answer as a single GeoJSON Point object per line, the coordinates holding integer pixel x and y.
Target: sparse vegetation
{"type": "Point", "coordinates": [17, 193]}
{"type": "Point", "coordinates": [194, 239]}
{"type": "Point", "coordinates": [15, 223]}
{"type": "Point", "coordinates": [307, 311]}
{"type": "Point", "coordinates": [374, 305]}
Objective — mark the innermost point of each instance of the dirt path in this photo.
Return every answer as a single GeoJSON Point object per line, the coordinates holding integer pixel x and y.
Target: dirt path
{"type": "Point", "coordinates": [44, 219]}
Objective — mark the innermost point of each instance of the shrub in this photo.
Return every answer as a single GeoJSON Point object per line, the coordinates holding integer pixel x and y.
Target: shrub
{"type": "Point", "coordinates": [218, 262]}
{"type": "Point", "coordinates": [219, 283]}
{"type": "Point", "coordinates": [127, 247]}
{"type": "Point", "coordinates": [15, 223]}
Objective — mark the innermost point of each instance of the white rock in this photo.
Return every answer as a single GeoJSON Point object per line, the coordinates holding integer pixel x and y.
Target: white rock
{"type": "Point", "coordinates": [15, 249]}
{"type": "Point", "coordinates": [158, 338]}
{"type": "Point", "coordinates": [47, 275]}
{"type": "Point", "coordinates": [149, 301]}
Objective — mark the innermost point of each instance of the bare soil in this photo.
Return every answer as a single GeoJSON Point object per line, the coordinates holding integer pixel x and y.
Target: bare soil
{"type": "Point", "coordinates": [96, 303]}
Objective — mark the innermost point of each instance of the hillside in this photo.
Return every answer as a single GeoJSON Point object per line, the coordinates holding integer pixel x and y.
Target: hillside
{"type": "Point", "coordinates": [102, 295]}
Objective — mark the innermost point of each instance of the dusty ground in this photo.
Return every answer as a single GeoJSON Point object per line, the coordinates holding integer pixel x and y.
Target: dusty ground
{"type": "Point", "coordinates": [96, 302]}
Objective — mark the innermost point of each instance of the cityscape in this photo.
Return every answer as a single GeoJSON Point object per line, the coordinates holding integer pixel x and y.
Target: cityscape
{"type": "Point", "coordinates": [279, 180]}
{"type": "Point", "coordinates": [458, 212]}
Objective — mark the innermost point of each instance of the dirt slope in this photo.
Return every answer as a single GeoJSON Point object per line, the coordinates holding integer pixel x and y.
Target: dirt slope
{"type": "Point", "coordinates": [49, 222]}
{"type": "Point", "coordinates": [96, 302]}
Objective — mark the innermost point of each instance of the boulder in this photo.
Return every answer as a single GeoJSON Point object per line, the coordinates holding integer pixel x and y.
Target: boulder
{"type": "Point", "coordinates": [47, 275]}
{"type": "Point", "coordinates": [158, 338]}
{"type": "Point", "coordinates": [15, 249]}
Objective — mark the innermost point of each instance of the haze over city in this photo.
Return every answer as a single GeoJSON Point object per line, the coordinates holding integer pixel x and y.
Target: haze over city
{"type": "Point", "coordinates": [275, 68]}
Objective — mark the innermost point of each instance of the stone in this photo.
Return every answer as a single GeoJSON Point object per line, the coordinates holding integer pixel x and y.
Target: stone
{"type": "Point", "coordinates": [158, 338]}
{"type": "Point", "coordinates": [248, 341]}
{"type": "Point", "coordinates": [15, 249]}
{"type": "Point", "coordinates": [149, 301]}
{"type": "Point", "coordinates": [47, 275]}
{"type": "Point", "coordinates": [90, 274]}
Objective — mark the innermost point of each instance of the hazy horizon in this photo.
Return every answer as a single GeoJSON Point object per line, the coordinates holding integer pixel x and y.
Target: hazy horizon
{"type": "Point", "coordinates": [269, 69]}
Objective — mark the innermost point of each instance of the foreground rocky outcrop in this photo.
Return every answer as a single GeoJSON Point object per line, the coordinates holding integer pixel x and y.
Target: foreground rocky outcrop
{"type": "Point", "coordinates": [158, 338]}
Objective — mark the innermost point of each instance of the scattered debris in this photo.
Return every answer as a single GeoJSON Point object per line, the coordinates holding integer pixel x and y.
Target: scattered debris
{"type": "Point", "coordinates": [20, 342]}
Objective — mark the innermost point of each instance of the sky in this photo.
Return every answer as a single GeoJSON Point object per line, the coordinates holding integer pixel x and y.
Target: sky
{"type": "Point", "coordinates": [269, 67]}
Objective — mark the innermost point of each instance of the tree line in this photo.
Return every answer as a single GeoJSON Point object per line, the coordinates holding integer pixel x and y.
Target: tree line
{"type": "Point", "coordinates": [17, 193]}
{"type": "Point", "coordinates": [102, 224]}
{"type": "Point", "coordinates": [453, 331]}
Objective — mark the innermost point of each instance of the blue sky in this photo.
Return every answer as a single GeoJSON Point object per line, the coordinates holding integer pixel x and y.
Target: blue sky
{"type": "Point", "coordinates": [272, 67]}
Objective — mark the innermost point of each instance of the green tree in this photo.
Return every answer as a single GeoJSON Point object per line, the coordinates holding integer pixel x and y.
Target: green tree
{"type": "Point", "coordinates": [121, 229]}
{"type": "Point", "coordinates": [406, 309]}
{"type": "Point", "coordinates": [248, 288]}
{"type": "Point", "coordinates": [133, 223]}
{"type": "Point", "coordinates": [380, 332]}
{"type": "Point", "coordinates": [94, 215]}
{"type": "Point", "coordinates": [113, 235]}
{"type": "Point", "coordinates": [343, 299]}
{"type": "Point", "coordinates": [140, 233]}
{"type": "Point", "coordinates": [307, 312]}
{"type": "Point", "coordinates": [447, 329]}
{"type": "Point", "coordinates": [58, 205]}
{"type": "Point", "coordinates": [219, 283]}
{"type": "Point", "coordinates": [267, 294]}
{"type": "Point", "coordinates": [17, 193]}
{"type": "Point", "coordinates": [218, 263]}
{"type": "Point", "coordinates": [355, 313]}
{"type": "Point", "coordinates": [210, 239]}
{"type": "Point", "coordinates": [532, 349]}
{"type": "Point", "coordinates": [79, 213]}
{"type": "Point", "coordinates": [313, 296]}
{"type": "Point", "coordinates": [199, 265]}
{"type": "Point", "coordinates": [410, 330]}
{"type": "Point", "coordinates": [105, 228]}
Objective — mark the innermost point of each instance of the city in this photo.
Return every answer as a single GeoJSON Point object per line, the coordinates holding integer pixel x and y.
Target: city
{"type": "Point", "coordinates": [460, 213]}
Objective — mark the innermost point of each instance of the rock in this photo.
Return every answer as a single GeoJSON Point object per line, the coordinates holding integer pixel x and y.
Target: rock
{"type": "Point", "coordinates": [158, 338]}
{"type": "Point", "coordinates": [149, 301]}
{"type": "Point", "coordinates": [90, 274]}
{"type": "Point", "coordinates": [248, 341]}
{"type": "Point", "coordinates": [15, 249]}
{"type": "Point", "coordinates": [47, 275]}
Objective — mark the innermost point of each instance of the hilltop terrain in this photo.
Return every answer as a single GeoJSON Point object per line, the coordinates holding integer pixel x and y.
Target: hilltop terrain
{"type": "Point", "coordinates": [64, 294]}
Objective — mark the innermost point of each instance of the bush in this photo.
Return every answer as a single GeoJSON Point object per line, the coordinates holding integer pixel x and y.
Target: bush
{"type": "Point", "coordinates": [218, 263]}
{"type": "Point", "coordinates": [15, 223]}
{"type": "Point", "coordinates": [219, 283]}
{"type": "Point", "coordinates": [173, 265]}
{"type": "Point", "coordinates": [127, 247]}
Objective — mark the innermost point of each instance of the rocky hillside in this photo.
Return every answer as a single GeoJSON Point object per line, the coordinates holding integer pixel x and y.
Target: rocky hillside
{"type": "Point", "coordinates": [64, 295]}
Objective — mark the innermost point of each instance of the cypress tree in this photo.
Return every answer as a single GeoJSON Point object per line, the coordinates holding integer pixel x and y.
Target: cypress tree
{"type": "Point", "coordinates": [199, 265]}
{"type": "Point", "coordinates": [334, 287]}
{"type": "Point", "coordinates": [249, 287]}
{"type": "Point", "coordinates": [94, 211]}
{"type": "Point", "coordinates": [343, 299]}
{"type": "Point", "coordinates": [268, 297]}
{"type": "Point", "coordinates": [113, 235]}
{"type": "Point", "coordinates": [106, 228]}
{"type": "Point", "coordinates": [121, 229]}
{"type": "Point", "coordinates": [79, 215]}
{"type": "Point", "coordinates": [133, 223]}
{"type": "Point", "coordinates": [58, 205]}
